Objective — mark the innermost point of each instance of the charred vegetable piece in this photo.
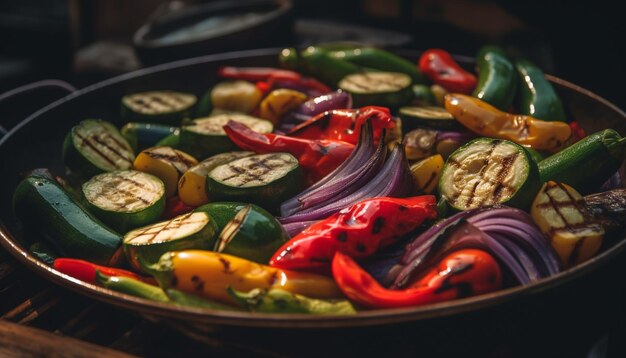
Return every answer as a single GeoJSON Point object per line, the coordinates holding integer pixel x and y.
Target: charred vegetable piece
{"type": "Point", "coordinates": [222, 212]}
{"type": "Point", "coordinates": [253, 234]}
{"type": "Point", "coordinates": [167, 107]}
{"type": "Point", "coordinates": [144, 135]}
{"type": "Point", "coordinates": [209, 274]}
{"type": "Point", "coordinates": [125, 200]}
{"type": "Point", "coordinates": [426, 174]}
{"type": "Point", "coordinates": [195, 230]}
{"type": "Point", "coordinates": [204, 137]}
{"type": "Point", "coordinates": [192, 185]}
{"type": "Point", "coordinates": [281, 301]}
{"type": "Point", "coordinates": [165, 163]}
{"type": "Point", "coordinates": [488, 171]}
{"type": "Point", "coordinates": [237, 96]}
{"type": "Point", "coordinates": [430, 116]}
{"type": "Point", "coordinates": [537, 97]}
{"type": "Point", "coordinates": [600, 154]}
{"type": "Point", "coordinates": [95, 146]}
{"type": "Point", "coordinates": [486, 120]}
{"type": "Point", "coordinates": [264, 179]}
{"type": "Point", "coordinates": [279, 102]}
{"type": "Point", "coordinates": [560, 213]}
{"type": "Point", "coordinates": [386, 89]}
{"type": "Point", "coordinates": [497, 79]}
{"type": "Point", "coordinates": [42, 204]}
{"type": "Point", "coordinates": [131, 287]}
{"type": "Point", "coordinates": [609, 208]}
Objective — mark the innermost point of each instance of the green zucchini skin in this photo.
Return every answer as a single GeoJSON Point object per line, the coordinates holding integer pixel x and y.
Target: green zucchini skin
{"type": "Point", "coordinates": [328, 69]}
{"type": "Point", "coordinates": [145, 135]}
{"type": "Point", "coordinates": [80, 165]}
{"type": "Point", "coordinates": [417, 117]}
{"type": "Point", "coordinates": [497, 78]}
{"type": "Point", "coordinates": [222, 211]}
{"type": "Point", "coordinates": [172, 140]}
{"type": "Point", "coordinates": [125, 220]}
{"type": "Point", "coordinates": [536, 96]}
{"type": "Point", "coordinates": [588, 163]}
{"type": "Point", "coordinates": [171, 117]}
{"type": "Point", "coordinates": [252, 234]}
{"type": "Point", "coordinates": [74, 232]}
{"type": "Point", "coordinates": [380, 60]}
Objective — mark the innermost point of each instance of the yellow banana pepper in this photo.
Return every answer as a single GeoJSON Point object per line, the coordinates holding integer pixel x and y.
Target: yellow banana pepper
{"type": "Point", "coordinates": [278, 102]}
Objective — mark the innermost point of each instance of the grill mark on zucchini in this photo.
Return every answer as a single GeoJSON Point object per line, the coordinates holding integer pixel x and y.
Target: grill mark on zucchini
{"type": "Point", "coordinates": [173, 157]}
{"type": "Point", "coordinates": [111, 186]}
{"type": "Point", "coordinates": [87, 141]}
{"type": "Point", "coordinates": [494, 144]}
{"type": "Point", "coordinates": [112, 149]}
{"type": "Point", "coordinates": [248, 176]}
{"type": "Point", "coordinates": [557, 205]}
{"type": "Point", "coordinates": [166, 227]}
{"type": "Point", "coordinates": [507, 164]}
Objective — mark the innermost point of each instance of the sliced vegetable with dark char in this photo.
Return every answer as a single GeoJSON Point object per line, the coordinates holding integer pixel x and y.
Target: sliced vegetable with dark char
{"type": "Point", "coordinates": [560, 213]}
{"type": "Point", "coordinates": [195, 230]}
{"type": "Point", "coordinates": [263, 179]}
{"type": "Point", "coordinates": [125, 199]}
{"type": "Point", "coordinates": [168, 107]}
{"type": "Point", "coordinates": [608, 208]}
{"type": "Point", "coordinates": [387, 89]}
{"type": "Point", "coordinates": [489, 171]}
{"type": "Point", "coordinates": [143, 135]}
{"type": "Point", "coordinates": [165, 163]}
{"type": "Point", "coordinates": [279, 102]}
{"type": "Point", "coordinates": [95, 146]}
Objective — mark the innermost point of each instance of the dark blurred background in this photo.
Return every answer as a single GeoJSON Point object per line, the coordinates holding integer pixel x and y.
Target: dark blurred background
{"type": "Point", "coordinates": [86, 41]}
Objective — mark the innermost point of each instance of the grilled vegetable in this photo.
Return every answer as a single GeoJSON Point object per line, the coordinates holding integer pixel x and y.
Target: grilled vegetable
{"type": "Point", "coordinates": [222, 212]}
{"type": "Point", "coordinates": [381, 60]}
{"type": "Point", "coordinates": [192, 185]}
{"type": "Point", "coordinates": [439, 94]}
{"type": "Point", "coordinates": [237, 96]}
{"type": "Point", "coordinates": [489, 171]}
{"type": "Point", "coordinates": [204, 137]}
{"type": "Point", "coordinates": [86, 271]}
{"type": "Point", "coordinates": [608, 208]}
{"type": "Point", "coordinates": [253, 234]}
{"type": "Point", "coordinates": [439, 67]}
{"type": "Point", "coordinates": [486, 120]}
{"type": "Point", "coordinates": [280, 301]}
{"type": "Point", "coordinates": [536, 96]}
{"type": "Point", "coordinates": [144, 135]}
{"type": "Point", "coordinates": [131, 287]}
{"type": "Point", "coordinates": [422, 142]}
{"type": "Point", "coordinates": [194, 230]}
{"type": "Point", "coordinates": [166, 164]}
{"type": "Point", "coordinates": [431, 117]}
{"type": "Point", "coordinates": [426, 174]}
{"type": "Point", "coordinates": [125, 199]}
{"type": "Point", "coordinates": [42, 204]}
{"type": "Point", "coordinates": [600, 154]}
{"type": "Point", "coordinates": [185, 299]}
{"type": "Point", "coordinates": [280, 102]}
{"type": "Point", "coordinates": [387, 89]}
{"type": "Point", "coordinates": [497, 79]}
{"type": "Point", "coordinates": [320, 64]}
{"type": "Point", "coordinates": [95, 146]}
{"type": "Point", "coordinates": [172, 140]}
{"type": "Point", "coordinates": [209, 274]}
{"type": "Point", "coordinates": [168, 107]}
{"type": "Point", "coordinates": [263, 179]}
{"type": "Point", "coordinates": [422, 96]}
{"type": "Point", "coordinates": [560, 213]}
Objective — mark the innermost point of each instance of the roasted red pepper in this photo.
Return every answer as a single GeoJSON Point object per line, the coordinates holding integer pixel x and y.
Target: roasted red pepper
{"type": "Point", "coordinates": [461, 274]}
{"type": "Point", "coordinates": [86, 271]}
{"type": "Point", "coordinates": [357, 231]}
{"type": "Point", "coordinates": [255, 74]}
{"type": "Point", "coordinates": [316, 157]}
{"type": "Point", "coordinates": [174, 207]}
{"type": "Point", "coordinates": [439, 66]}
{"type": "Point", "coordinates": [344, 124]}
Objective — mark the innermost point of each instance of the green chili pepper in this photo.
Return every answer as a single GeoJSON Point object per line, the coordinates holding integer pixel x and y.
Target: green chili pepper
{"type": "Point", "coordinates": [281, 301]}
{"type": "Point", "coordinates": [181, 298]}
{"type": "Point", "coordinates": [319, 64]}
{"type": "Point", "coordinates": [131, 287]}
{"type": "Point", "coordinates": [380, 60]}
{"type": "Point", "coordinates": [497, 80]}
{"type": "Point", "coordinates": [537, 97]}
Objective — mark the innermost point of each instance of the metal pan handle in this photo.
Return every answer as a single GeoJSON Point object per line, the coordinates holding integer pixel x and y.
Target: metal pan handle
{"type": "Point", "coordinates": [28, 89]}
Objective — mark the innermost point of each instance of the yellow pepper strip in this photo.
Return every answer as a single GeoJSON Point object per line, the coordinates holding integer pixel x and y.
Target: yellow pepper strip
{"type": "Point", "coordinates": [209, 274]}
{"type": "Point", "coordinates": [486, 120]}
{"type": "Point", "coordinates": [238, 96]}
{"type": "Point", "coordinates": [559, 212]}
{"type": "Point", "coordinates": [278, 102]}
{"type": "Point", "coordinates": [165, 163]}
{"type": "Point", "coordinates": [426, 173]}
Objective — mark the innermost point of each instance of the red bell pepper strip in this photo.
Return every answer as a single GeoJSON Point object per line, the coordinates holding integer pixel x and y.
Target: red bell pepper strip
{"type": "Point", "coordinates": [578, 132]}
{"type": "Point", "coordinates": [461, 274]}
{"type": "Point", "coordinates": [439, 67]}
{"type": "Point", "coordinates": [86, 271]}
{"type": "Point", "coordinates": [358, 231]}
{"type": "Point", "coordinates": [254, 74]}
{"type": "Point", "coordinates": [344, 124]}
{"type": "Point", "coordinates": [316, 157]}
{"type": "Point", "coordinates": [175, 207]}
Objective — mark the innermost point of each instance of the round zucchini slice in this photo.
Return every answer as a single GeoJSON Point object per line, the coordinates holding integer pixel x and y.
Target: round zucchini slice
{"type": "Point", "coordinates": [264, 179]}
{"type": "Point", "coordinates": [145, 245]}
{"type": "Point", "coordinates": [167, 164]}
{"type": "Point", "coordinates": [204, 137]}
{"type": "Point", "coordinates": [125, 200]}
{"type": "Point", "coordinates": [428, 116]}
{"type": "Point", "coordinates": [387, 89]}
{"type": "Point", "coordinates": [168, 107]}
{"type": "Point", "coordinates": [95, 146]}
{"type": "Point", "coordinates": [253, 234]}
{"type": "Point", "coordinates": [487, 172]}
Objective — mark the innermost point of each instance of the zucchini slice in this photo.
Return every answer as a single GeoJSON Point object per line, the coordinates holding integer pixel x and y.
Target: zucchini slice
{"type": "Point", "coordinates": [560, 213]}
{"type": "Point", "coordinates": [264, 179]}
{"type": "Point", "coordinates": [125, 200]}
{"type": "Point", "coordinates": [144, 135]}
{"type": "Point", "coordinates": [238, 96]}
{"type": "Point", "coordinates": [487, 172]}
{"type": "Point", "coordinates": [221, 211]}
{"type": "Point", "coordinates": [387, 89]}
{"type": "Point", "coordinates": [168, 107]}
{"type": "Point", "coordinates": [204, 137]}
{"type": "Point", "coordinates": [253, 234]}
{"type": "Point", "coordinates": [192, 185]}
{"type": "Point", "coordinates": [428, 116]}
{"type": "Point", "coordinates": [165, 163]}
{"type": "Point", "coordinates": [195, 230]}
{"type": "Point", "coordinates": [95, 146]}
